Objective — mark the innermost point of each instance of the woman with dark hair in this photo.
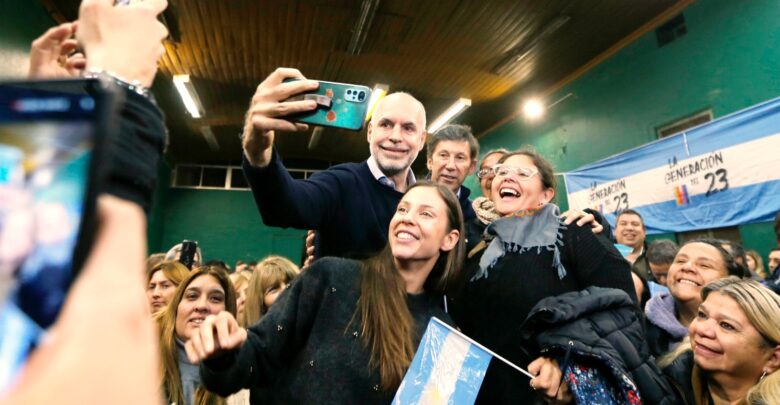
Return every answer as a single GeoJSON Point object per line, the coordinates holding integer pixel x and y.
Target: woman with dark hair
{"type": "Point", "coordinates": [345, 331]}
{"type": "Point", "coordinates": [207, 291]}
{"type": "Point", "coordinates": [732, 352]}
{"type": "Point", "coordinates": [532, 254]}
{"type": "Point", "coordinates": [669, 314]}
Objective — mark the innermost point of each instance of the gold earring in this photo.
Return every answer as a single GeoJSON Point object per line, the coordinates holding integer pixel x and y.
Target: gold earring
{"type": "Point", "coordinates": [762, 375]}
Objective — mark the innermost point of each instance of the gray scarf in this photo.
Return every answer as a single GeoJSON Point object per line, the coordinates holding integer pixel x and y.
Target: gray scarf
{"type": "Point", "coordinates": [524, 231]}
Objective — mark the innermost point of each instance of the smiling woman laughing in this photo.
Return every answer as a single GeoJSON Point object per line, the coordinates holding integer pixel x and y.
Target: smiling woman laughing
{"type": "Point", "coordinates": [669, 314]}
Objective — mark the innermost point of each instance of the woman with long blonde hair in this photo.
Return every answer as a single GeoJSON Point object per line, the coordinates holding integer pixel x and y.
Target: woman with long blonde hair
{"type": "Point", "coordinates": [207, 291]}
{"type": "Point", "coordinates": [732, 352]}
{"type": "Point", "coordinates": [269, 279]}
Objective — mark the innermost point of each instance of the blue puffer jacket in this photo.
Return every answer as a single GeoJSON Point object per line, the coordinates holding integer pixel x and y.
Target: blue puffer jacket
{"type": "Point", "coordinates": [601, 328]}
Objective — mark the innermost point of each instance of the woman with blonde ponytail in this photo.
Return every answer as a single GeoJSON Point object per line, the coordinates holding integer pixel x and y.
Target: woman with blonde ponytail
{"type": "Point", "coordinates": [732, 352]}
{"type": "Point", "coordinates": [345, 331]}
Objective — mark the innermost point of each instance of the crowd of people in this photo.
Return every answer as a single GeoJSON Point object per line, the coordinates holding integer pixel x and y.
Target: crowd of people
{"type": "Point", "coordinates": [547, 291]}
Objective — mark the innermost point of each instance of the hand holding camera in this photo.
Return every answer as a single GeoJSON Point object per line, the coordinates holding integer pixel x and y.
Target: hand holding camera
{"type": "Point", "coordinates": [268, 109]}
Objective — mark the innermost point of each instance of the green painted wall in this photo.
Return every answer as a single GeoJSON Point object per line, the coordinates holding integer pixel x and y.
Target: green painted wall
{"type": "Point", "coordinates": [225, 223]}
{"type": "Point", "coordinates": [21, 21]}
{"type": "Point", "coordinates": [729, 60]}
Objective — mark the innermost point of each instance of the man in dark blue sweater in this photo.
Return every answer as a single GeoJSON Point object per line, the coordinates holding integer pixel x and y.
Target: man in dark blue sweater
{"type": "Point", "coordinates": [350, 205]}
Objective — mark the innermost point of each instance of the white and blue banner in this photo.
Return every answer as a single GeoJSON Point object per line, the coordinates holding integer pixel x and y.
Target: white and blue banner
{"type": "Point", "coordinates": [723, 173]}
{"type": "Point", "coordinates": [448, 368]}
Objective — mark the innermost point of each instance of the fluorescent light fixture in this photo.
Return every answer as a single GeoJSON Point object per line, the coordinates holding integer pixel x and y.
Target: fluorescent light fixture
{"type": "Point", "coordinates": [380, 90]}
{"type": "Point", "coordinates": [208, 135]}
{"type": "Point", "coordinates": [452, 112]}
{"type": "Point", "coordinates": [314, 140]}
{"type": "Point", "coordinates": [533, 109]}
{"type": "Point", "coordinates": [188, 95]}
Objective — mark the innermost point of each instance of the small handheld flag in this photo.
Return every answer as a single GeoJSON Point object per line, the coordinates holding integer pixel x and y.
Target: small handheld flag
{"type": "Point", "coordinates": [448, 368]}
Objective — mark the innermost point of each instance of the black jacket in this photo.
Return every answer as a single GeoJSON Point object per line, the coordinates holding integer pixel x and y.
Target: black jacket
{"type": "Point", "coordinates": [680, 374]}
{"type": "Point", "coordinates": [604, 324]}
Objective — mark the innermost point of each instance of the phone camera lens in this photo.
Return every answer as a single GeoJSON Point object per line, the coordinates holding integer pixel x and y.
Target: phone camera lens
{"type": "Point", "coordinates": [349, 91]}
{"type": "Point", "coordinates": [362, 95]}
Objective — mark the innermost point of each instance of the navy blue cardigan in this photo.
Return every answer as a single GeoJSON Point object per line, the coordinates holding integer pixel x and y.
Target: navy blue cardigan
{"type": "Point", "coordinates": [348, 207]}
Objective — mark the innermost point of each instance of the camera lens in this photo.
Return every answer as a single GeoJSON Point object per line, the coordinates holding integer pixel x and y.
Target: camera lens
{"type": "Point", "coordinates": [362, 95]}
{"type": "Point", "coordinates": [349, 91]}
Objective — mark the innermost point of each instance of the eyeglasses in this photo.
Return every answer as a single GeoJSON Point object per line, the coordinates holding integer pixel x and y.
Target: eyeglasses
{"type": "Point", "coordinates": [486, 172]}
{"type": "Point", "coordinates": [523, 173]}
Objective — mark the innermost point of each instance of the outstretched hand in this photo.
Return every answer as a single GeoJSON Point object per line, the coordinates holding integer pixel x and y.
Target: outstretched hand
{"type": "Point", "coordinates": [217, 335]}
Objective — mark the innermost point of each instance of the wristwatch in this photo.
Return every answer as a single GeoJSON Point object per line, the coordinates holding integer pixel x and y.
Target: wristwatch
{"type": "Point", "coordinates": [135, 86]}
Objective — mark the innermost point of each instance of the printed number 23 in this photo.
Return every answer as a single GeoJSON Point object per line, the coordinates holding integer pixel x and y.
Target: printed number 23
{"type": "Point", "coordinates": [622, 202]}
{"type": "Point", "coordinates": [722, 178]}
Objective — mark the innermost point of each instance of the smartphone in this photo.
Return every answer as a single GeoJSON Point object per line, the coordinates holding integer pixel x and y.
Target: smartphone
{"type": "Point", "coordinates": [188, 250]}
{"type": "Point", "coordinates": [339, 105]}
{"type": "Point", "coordinates": [54, 136]}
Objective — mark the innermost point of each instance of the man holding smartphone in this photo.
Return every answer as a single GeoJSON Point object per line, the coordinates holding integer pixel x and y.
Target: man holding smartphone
{"type": "Point", "coordinates": [350, 205]}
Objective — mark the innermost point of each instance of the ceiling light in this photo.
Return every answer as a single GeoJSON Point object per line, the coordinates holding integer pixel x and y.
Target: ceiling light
{"type": "Point", "coordinates": [188, 95]}
{"type": "Point", "coordinates": [208, 135]}
{"type": "Point", "coordinates": [380, 90]}
{"type": "Point", "coordinates": [452, 112]}
{"type": "Point", "coordinates": [314, 140]}
{"type": "Point", "coordinates": [533, 109]}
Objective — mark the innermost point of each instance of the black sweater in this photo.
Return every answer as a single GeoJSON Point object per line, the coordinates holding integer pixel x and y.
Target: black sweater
{"type": "Point", "coordinates": [306, 346]}
{"type": "Point", "coordinates": [491, 310]}
{"type": "Point", "coordinates": [350, 209]}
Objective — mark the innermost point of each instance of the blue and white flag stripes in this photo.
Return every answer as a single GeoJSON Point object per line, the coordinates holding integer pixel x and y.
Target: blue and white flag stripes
{"type": "Point", "coordinates": [448, 368]}
{"type": "Point", "coordinates": [723, 173]}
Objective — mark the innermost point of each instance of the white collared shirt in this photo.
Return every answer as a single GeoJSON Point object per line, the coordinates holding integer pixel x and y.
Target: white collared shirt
{"type": "Point", "coordinates": [373, 166]}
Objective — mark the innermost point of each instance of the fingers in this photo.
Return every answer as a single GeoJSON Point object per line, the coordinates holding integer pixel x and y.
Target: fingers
{"type": "Point", "coordinates": [548, 376]}
{"type": "Point", "coordinates": [571, 215]}
{"type": "Point", "coordinates": [216, 333]}
{"type": "Point", "coordinates": [206, 332]}
{"type": "Point", "coordinates": [282, 109]}
{"type": "Point", "coordinates": [280, 74]}
{"type": "Point", "coordinates": [54, 36]}
{"type": "Point", "coordinates": [596, 227]}
{"type": "Point", "coordinates": [222, 327]}
{"type": "Point", "coordinates": [192, 348]}
{"type": "Point", "coordinates": [67, 46]}
{"type": "Point", "coordinates": [586, 218]}
{"type": "Point", "coordinates": [263, 124]}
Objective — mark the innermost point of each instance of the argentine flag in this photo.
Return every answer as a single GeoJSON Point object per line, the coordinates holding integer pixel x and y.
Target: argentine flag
{"type": "Point", "coordinates": [448, 368]}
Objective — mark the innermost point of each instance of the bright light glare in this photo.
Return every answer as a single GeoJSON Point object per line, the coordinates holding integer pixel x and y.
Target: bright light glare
{"type": "Point", "coordinates": [451, 112]}
{"type": "Point", "coordinates": [380, 90]}
{"type": "Point", "coordinates": [533, 109]}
